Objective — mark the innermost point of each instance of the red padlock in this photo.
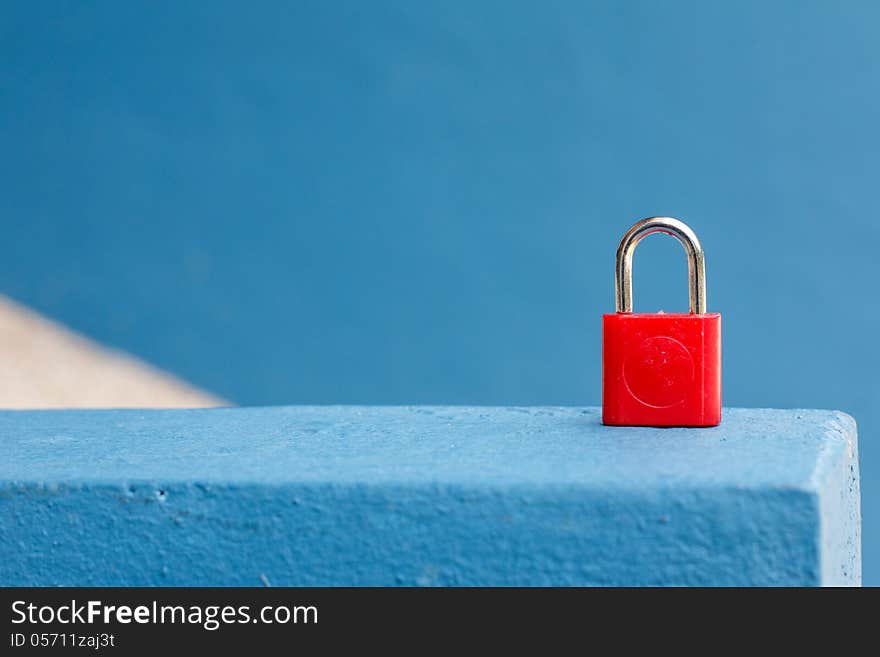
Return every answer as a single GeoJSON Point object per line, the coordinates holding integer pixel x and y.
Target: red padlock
{"type": "Point", "coordinates": [661, 369]}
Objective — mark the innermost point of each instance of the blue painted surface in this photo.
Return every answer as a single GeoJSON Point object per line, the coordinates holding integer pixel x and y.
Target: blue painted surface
{"type": "Point", "coordinates": [425, 495]}
{"type": "Point", "coordinates": [398, 202]}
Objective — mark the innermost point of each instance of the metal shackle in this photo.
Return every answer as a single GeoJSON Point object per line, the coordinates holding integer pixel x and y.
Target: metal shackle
{"type": "Point", "coordinates": [688, 239]}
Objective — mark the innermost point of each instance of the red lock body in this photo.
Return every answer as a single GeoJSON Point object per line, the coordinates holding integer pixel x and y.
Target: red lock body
{"type": "Point", "coordinates": [661, 369]}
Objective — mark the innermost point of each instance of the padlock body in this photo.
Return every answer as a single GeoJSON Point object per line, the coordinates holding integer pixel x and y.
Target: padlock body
{"type": "Point", "coordinates": [661, 370]}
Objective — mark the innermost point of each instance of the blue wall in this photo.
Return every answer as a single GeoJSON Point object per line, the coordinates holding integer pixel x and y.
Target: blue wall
{"type": "Point", "coordinates": [419, 202]}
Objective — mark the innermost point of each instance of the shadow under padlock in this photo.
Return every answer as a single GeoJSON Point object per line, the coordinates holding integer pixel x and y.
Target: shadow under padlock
{"type": "Point", "coordinates": [661, 369]}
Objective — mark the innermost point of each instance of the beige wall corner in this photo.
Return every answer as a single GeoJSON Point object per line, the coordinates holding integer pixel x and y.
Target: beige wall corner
{"type": "Point", "coordinates": [45, 365]}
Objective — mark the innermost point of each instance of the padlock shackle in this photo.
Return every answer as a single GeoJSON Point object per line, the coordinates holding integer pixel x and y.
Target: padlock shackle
{"type": "Point", "coordinates": [688, 239]}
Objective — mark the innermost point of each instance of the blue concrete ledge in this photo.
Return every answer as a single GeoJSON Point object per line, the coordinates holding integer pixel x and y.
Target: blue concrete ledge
{"type": "Point", "coordinates": [425, 496]}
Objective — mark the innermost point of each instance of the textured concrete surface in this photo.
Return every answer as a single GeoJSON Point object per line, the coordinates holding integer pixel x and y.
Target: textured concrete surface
{"type": "Point", "coordinates": [425, 496]}
{"type": "Point", "coordinates": [45, 365]}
